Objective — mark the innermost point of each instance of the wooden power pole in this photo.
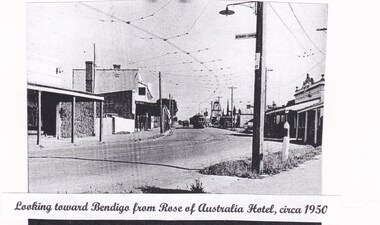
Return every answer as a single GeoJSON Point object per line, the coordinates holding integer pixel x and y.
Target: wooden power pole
{"type": "Point", "coordinates": [159, 89]}
{"type": "Point", "coordinates": [232, 106]}
{"type": "Point", "coordinates": [259, 95]}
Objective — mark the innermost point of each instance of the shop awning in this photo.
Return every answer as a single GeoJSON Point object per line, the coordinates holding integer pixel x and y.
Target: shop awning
{"type": "Point", "coordinates": [297, 107]}
{"type": "Point", "coordinates": [66, 92]}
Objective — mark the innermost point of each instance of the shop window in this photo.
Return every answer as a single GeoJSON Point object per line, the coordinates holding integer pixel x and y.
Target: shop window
{"type": "Point", "coordinates": [278, 119]}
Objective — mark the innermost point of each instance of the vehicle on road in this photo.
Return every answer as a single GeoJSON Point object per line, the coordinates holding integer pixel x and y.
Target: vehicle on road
{"type": "Point", "coordinates": [198, 121]}
{"type": "Point", "coordinates": [248, 126]}
{"type": "Point", "coordinates": [225, 122]}
{"type": "Point", "coordinates": [185, 123]}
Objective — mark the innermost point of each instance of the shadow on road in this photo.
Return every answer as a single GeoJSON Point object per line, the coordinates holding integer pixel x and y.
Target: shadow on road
{"type": "Point", "coordinates": [183, 128]}
{"type": "Point", "coordinates": [157, 190]}
{"type": "Point", "coordinates": [241, 134]}
{"type": "Point", "coordinates": [114, 161]}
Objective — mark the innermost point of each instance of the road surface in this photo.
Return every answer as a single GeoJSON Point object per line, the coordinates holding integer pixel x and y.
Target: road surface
{"type": "Point", "coordinates": [126, 167]}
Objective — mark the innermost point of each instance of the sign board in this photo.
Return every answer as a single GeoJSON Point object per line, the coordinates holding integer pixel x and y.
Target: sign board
{"type": "Point", "coordinates": [257, 61]}
{"type": "Point", "coordinates": [245, 36]}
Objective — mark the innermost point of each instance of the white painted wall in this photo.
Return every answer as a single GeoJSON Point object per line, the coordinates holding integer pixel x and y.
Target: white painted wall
{"type": "Point", "coordinates": [124, 125]}
{"type": "Point", "coordinates": [107, 126]}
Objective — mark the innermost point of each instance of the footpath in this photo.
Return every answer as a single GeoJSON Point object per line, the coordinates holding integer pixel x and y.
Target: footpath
{"type": "Point", "coordinates": [305, 179]}
{"type": "Point", "coordinates": [54, 143]}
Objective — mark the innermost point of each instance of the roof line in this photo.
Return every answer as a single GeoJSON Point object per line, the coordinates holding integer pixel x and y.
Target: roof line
{"type": "Point", "coordinates": [63, 91]}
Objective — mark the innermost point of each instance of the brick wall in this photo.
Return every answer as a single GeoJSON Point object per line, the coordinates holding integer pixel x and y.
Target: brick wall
{"type": "Point", "coordinates": [84, 120]}
{"type": "Point", "coordinates": [32, 110]}
{"type": "Point", "coordinates": [119, 103]}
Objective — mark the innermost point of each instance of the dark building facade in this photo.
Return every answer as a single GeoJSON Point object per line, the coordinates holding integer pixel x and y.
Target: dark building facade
{"type": "Point", "coordinates": [304, 114]}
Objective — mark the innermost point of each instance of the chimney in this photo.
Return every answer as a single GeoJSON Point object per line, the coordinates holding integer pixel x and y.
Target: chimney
{"type": "Point", "coordinates": [116, 67]}
{"type": "Point", "coordinates": [89, 76]}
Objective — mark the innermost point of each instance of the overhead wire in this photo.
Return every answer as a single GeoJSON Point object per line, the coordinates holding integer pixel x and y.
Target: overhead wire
{"type": "Point", "coordinates": [159, 37]}
{"type": "Point", "coordinates": [300, 75]}
{"type": "Point", "coordinates": [165, 54]}
{"type": "Point", "coordinates": [152, 14]}
{"type": "Point", "coordinates": [196, 20]}
{"type": "Point", "coordinates": [303, 29]}
{"type": "Point", "coordinates": [288, 28]}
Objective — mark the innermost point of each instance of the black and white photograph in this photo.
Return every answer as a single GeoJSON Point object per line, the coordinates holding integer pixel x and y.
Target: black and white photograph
{"type": "Point", "coordinates": [175, 96]}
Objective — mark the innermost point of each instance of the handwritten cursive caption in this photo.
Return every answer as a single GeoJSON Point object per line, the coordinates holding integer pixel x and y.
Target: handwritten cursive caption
{"type": "Point", "coordinates": [136, 208]}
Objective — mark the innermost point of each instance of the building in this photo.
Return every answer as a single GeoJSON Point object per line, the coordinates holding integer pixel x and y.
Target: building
{"type": "Point", "coordinates": [54, 109]}
{"type": "Point", "coordinates": [128, 101]}
{"type": "Point", "coordinates": [304, 114]}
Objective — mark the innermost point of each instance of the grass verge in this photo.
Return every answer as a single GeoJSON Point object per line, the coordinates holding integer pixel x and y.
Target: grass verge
{"type": "Point", "coordinates": [272, 164]}
{"type": "Point", "coordinates": [197, 187]}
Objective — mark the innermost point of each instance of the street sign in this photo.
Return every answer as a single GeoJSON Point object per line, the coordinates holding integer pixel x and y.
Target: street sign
{"type": "Point", "coordinates": [245, 36]}
{"type": "Point", "coordinates": [257, 61]}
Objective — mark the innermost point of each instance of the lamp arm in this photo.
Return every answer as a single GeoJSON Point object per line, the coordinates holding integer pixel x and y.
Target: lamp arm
{"type": "Point", "coordinates": [242, 4]}
{"type": "Point", "coordinates": [239, 3]}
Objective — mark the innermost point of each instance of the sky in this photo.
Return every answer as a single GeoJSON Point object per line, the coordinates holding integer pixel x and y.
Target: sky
{"type": "Point", "coordinates": [188, 41]}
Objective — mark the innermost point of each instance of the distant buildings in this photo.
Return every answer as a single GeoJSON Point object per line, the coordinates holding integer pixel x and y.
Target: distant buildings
{"type": "Point", "coordinates": [304, 114]}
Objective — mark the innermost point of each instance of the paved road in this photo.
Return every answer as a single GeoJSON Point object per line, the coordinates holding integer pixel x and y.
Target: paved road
{"type": "Point", "coordinates": [124, 167]}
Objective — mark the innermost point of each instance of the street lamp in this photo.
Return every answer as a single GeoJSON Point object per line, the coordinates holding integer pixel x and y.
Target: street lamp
{"type": "Point", "coordinates": [260, 77]}
{"type": "Point", "coordinates": [227, 12]}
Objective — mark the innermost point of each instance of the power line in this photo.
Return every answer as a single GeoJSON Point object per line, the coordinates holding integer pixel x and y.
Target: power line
{"type": "Point", "coordinates": [301, 75]}
{"type": "Point", "coordinates": [155, 57]}
{"type": "Point", "coordinates": [169, 64]}
{"type": "Point", "coordinates": [308, 37]}
{"type": "Point", "coordinates": [44, 74]}
{"type": "Point", "coordinates": [196, 20]}
{"type": "Point", "coordinates": [287, 27]}
{"type": "Point", "coordinates": [152, 14]}
{"type": "Point", "coordinates": [153, 35]}
{"type": "Point", "coordinates": [165, 54]}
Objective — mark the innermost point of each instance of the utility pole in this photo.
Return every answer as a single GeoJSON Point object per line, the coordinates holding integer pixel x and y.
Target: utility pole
{"type": "Point", "coordinates": [159, 90]}
{"type": "Point", "coordinates": [219, 110]}
{"type": "Point", "coordinates": [259, 95]}
{"type": "Point", "coordinates": [93, 91]}
{"type": "Point", "coordinates": [232, 106]}
{"type": "Point", "coordinates": [93, 83]}
{"type": "Point", "coordinates": [171, 109]}
{"type": "Point", "coordinates": [219, 97]}
{"type": "Point", "coordinates": [211, 111]}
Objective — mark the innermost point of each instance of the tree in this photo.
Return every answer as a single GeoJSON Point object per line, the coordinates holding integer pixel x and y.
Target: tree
{"type": "Point", "coordinates": [165, 102]}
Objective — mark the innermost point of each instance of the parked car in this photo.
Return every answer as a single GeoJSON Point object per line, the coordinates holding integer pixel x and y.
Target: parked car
{"type": "Point", "coordinates": [109, 115]}
{"type": "Point", "coordinates": [185, 123]}
{"type": "Point", "coordinates": [248, 126]}
{"type": "Point", "coordinates": [180, 122]}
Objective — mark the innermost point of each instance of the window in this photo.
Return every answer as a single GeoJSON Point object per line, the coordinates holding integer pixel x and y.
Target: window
{"type": "Point", "coordinates": [142, 90]}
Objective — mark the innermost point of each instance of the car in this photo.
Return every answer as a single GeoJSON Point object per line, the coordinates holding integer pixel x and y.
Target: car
{"type": "Point", "coordinates": [185, 123]}
{"type": "Point", "coordinates": [110, 115]}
